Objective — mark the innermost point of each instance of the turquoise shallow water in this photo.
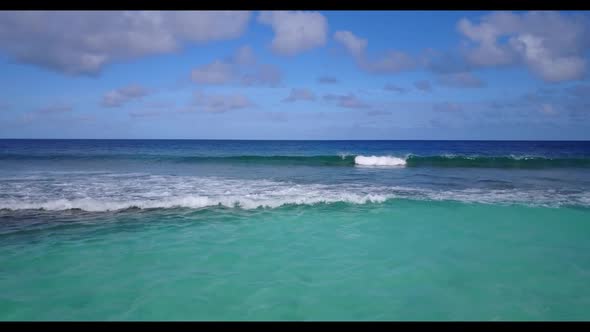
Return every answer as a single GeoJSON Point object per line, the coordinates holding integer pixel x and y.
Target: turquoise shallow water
{"type": "Point", "coordinates": [396, 260]}
{"type": "Point", "coordinates": [294, 230]}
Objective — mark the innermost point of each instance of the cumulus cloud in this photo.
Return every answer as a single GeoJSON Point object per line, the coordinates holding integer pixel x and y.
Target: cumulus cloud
{"type": "Point", "coordinates": [394, 88]}
{"type": "Point", "coordinates": [244, 56]}
{"type": "Point", "coordinates": [295, 31]}
{"type": "Point", "coordinates": [347, 101]}
{"type": "Point", "coordinates": [219, 103]}
{"type": "Point", "coordinates": [300, 94]}
{"type": "Point", "coordinates": [217, 72]}
{"type": "Point", "coordinates": [389, 62]}
{"type": "Point", "coordinates": [551, 44]}
{"type": "Point", "coordinates": [423, 85]}
{"type": "Point", "coordinates": [263, 74]}
{"type": "Point", "coordinates": [119, 97]}
{"type": "Point", "coordinates": [461, 80]}
{"type": "Point", "coordinates": [489, 52]}
{"type": "Point", "coordinates": [327, 80]}
{"type": "Point", "coordinates": [549, 67]}
{"type": "Point", "coordinates": [355, 45]}
{"type": "Point", "coordinates": [75, 42]}
{"type": "Point", "coordinates": [241, 68]}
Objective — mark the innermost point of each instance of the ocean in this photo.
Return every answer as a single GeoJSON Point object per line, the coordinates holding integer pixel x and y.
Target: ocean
{"type": "Point", "coordinates": [294, 230]}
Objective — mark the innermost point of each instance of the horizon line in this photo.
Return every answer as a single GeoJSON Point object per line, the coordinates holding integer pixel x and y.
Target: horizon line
{"type": "Point", "coordinates": [324, 140]}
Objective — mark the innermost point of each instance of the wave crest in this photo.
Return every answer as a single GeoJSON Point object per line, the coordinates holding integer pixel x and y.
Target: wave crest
{"type": "Point", "coordinates": [497, 162]}
{"type": "Point", "coordinates": [379, 161]}
{"type": "Point", "coordinates": [191, 202]}
{"type": "Point", "coordinates": [346, 160]}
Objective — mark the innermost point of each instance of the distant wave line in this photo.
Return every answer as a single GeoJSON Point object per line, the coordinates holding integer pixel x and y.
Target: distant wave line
{"type": "Point", "coordinates": [410, 160]}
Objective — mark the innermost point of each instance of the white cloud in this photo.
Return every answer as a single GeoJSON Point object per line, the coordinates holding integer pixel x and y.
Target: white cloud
{"type": "Point", "coordinates": [263, 74]}
{"type": "Point", "coordinates": [217, 72]}
{"type": "Point", "coordinates": [118, 97]}
{"type": "Point", "coordinates": [549, 67]}
{"type": "Point", "coordinates": [242, 68]}
{"type": "Point", "coordinates": [390, 62]}
{"type": "Point", "coordinates": [218, 103]}
{"type": "Point", "coordinates": [295, 31]}
{"type": "Point", "coordinates": [244, 56]}
{"type": "Point", "coordinates": [84, 42]}
{"type": "Point", "coordinates": [354, 44]}
{"type": "Point", "coordinates": [552, 45]}
{"type": "Point", "coordinates": [489, 53]}
{"type": "Point", "coordinates": [300, 94]}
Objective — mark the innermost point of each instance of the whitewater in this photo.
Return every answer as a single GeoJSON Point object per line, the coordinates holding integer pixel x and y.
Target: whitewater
{"type": "Point", "coordinates": [111, 192]}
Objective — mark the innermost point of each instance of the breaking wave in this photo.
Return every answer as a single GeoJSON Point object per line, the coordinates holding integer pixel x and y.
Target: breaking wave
{"type": "Point", "coordinates": [526, 162]}
{"type": "Point", "coordinates": [105, 193]}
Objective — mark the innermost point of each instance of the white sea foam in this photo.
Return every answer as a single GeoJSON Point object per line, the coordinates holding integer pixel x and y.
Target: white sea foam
{"type": "Point", "coordinates": [107, 193]}
{"type": "Point", "coordinates": [193, 202]}
{"type": "Point", "coordinates": [379, 161]}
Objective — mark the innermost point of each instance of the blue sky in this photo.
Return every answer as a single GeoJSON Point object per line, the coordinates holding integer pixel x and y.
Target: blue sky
{"type": "Point", "coordinates": [295, 75]}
